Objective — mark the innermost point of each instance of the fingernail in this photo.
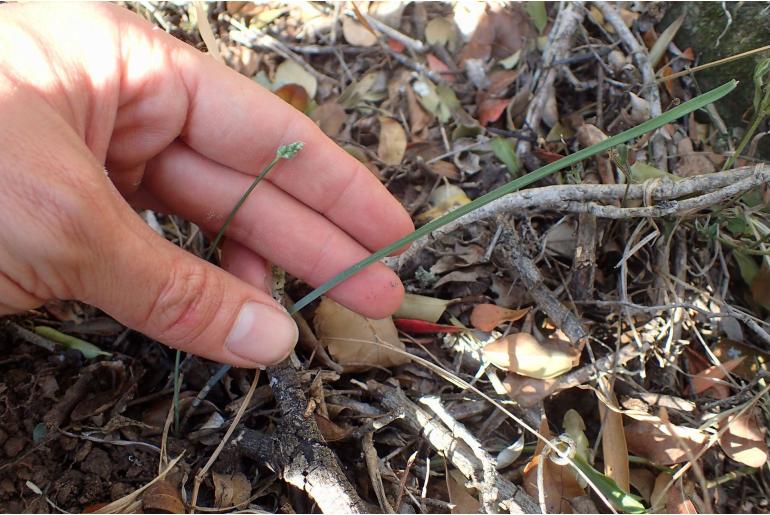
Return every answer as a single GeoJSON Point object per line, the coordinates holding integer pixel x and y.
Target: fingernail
{"type": "Point", "coordinates": [262, 334]}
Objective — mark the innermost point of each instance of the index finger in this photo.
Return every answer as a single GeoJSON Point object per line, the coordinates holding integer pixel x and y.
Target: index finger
{"type": "Point", "coordinates": [237, 123]}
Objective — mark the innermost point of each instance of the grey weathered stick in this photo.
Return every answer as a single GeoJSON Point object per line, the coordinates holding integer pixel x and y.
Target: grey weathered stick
{"type": "Point", "coordinates": [573, 198]}
{"type": "Point", "coordinates": [490, 495]}
{"type": "Point", "coordinates": [650, 91]}
{"type": "Point", "coordinates": [512, 252]}
{"type": "Point", "coordinates": [302, 458]}
{"type": "Point", "coordinates": [557, 48]}
{"type": "Point", "coordinates": [419, 421]}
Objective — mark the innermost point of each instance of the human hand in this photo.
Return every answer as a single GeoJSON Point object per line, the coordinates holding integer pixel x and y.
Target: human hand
{"type": "Point", "coordinates": [84, 87]}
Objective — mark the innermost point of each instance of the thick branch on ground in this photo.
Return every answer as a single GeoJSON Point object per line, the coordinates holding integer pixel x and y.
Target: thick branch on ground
{"type": "Point", "coordinates": [581, 284]}
{"type": "Point", "coordinates": [557, 49]}
{"type": "Point", "coordinates": [419, 421]}
{"type": "Point", "coordinates": [298, 451]}
{"type": "Point", "coordinates": [581, 198]}
{"type": "Point", "coordinates": [650, 91]}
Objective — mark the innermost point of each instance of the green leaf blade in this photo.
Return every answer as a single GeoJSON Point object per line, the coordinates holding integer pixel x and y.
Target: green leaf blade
{"type": "Point", "coordinates": [516, 184]}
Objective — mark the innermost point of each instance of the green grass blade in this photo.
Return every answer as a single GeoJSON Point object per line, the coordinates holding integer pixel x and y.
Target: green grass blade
{"type": "Point", "coordinates": [516, 184]}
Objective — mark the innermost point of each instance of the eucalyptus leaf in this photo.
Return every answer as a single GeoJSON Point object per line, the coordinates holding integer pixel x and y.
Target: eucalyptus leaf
{"type": "Point", "coordinates": [89, 350]}
{"type": "Point", "coordinates": [536, 11]}
{"type": "Point", "coordinates": [505, 152]}
{"type": "Point", "coordinates": [619, 498]}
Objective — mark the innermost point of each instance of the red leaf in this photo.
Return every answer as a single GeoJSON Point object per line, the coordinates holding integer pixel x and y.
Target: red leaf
{"type": "Point", "coordinates": [547, 156]}
{"type": "Point", "coordinates": [410, 325]}
{"type": "Point", "coordinates": [396, 45]}
{"type": "Point", "coordinates": [437, 65]}
{"type": "Point", "coordinates": [491, 109]}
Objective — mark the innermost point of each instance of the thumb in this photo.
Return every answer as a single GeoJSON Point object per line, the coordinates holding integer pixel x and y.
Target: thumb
{"type": "Point", "coordinates": [178, 299]}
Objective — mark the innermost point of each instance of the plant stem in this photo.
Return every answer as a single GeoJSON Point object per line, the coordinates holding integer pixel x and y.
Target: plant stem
{"type": "Point", "coordinates": [231, 216]}
{"type": "Point", "coordinates": [758, 119]}
{"type": "Point", "coordinates": [283, 152]}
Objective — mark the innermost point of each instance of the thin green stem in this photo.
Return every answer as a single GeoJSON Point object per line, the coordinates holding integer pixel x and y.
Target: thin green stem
{"type": "Point", "coordinates": [231, 216]}
{"type": "Point", "coordinates": [283, 152]}
{"type": "Point", "coordinates": [650, 125]}
{"type": "Point", "coordinates": [758, 119]}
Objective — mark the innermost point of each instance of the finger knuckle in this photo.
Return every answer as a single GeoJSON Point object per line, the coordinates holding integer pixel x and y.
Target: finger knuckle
{"type": "Point", "coordinates": [186, 304]}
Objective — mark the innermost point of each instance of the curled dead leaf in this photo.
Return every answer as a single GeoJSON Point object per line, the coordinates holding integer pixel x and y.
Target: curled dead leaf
{"type": "Point", "coordinates": [329, 430]}
{"type": "Point", "coordinates": [523, 354]}
{"type": "Point", "coordinates": [347, 335]}
{"type": "Point", "coordinates": [294, 95]}
{"type": "Point", "coordinates": [744, 439]}
{"type": "Point", "coordinates": [392, 144]}
{"type": "Point", "coordinates": [488, 316]}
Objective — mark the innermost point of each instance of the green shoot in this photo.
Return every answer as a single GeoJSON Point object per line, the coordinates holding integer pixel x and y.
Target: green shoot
{"type": "Point", "coordinates": [283, 152]}
{"type": "Point", "coordinates": [516, 184]}
{"type": "Point", "coordinates": [761, 108]}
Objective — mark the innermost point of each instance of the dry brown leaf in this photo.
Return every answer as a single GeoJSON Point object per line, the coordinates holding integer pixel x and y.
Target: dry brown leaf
{"type": "Point", "coordinates": [713, 375]}
{"type": "Point", "coordinates": [356, 34]}
{"type": "Point", "coordinates": [744, 440]}
{"type": "Point", "coordinates": [444, 169]}
{"type": "Point", "coordinates": [330, 117]}
{"type": "Point", "coordinates": [488, 316]}
{"type": "Point", "coordinates": [499, 33]}
{"type": "Point", "coordinates": [523, 354]}
{"type": "Point", "coordinates": [392, 142]}
{"type": "Point", "coordinates": [163, 497]}
{"type": "Point", "coordinates": [294, 95]}
{"type": "Point", "coordinates": [614, 448]}
{"type": "Point", "coordinates": [230, 489]}
{"type": "Point", "coordinates": [692, 163]}
{"type": "Point", "coordinates": [643, 480]}
{"type": "Point", "coordinates": [419, 118]}
{"type": "Point", "coordinates": [671, 500]}
{"type": "Point", "coordinates": [559, 484]}
{"type": "Point", "coordinates": [347, 335]}
{"type": "Point", "coordinates": [491, 109]}
{"type": "Point", "coordinates": [331, 431]}
{"type": "Point", "coordinates": [462, 501]}
{"type": "Point", "coordinates": [663, 444]}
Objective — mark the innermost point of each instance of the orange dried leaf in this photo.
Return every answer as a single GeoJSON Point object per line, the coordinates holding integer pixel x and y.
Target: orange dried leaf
{"type": "Point", "coordinates": [491, 109]}
{"type": "Point", "coordinates": [331, 431]}
{"type": "Point", "coordinates": [295, 95]}
{"type": "Point", "coordinates": [488, 316]}
{"type": "Point", "coordinates": [713, 375]}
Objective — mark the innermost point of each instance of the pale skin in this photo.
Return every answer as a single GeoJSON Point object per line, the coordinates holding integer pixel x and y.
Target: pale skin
{"type": "Point", "coordinates": [102, 114]}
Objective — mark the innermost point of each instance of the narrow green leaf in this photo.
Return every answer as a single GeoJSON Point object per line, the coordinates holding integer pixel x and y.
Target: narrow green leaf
{"type": "Point", "coordinates": [89, 350]}
{"type": "Point", "coordinates": [516, 184]}
{"type": "Point", "coordinates": [536, 11]}
{"type": "Point", "coordinates": [505, 152]}
{"type": "Point", "coordinates": [747, 266]}
{"type": "Point", "coordinates": [620, 499]}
